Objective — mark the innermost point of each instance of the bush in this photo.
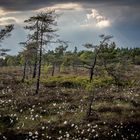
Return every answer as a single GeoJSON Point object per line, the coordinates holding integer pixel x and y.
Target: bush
{"type": "Point", "coordinates": [99, 82]}
{"type": "Point", "coordinates": [75, 82]}
{"type": "Point", "coordinates": [47, 68]}
{"type": "Point", "coordinates": [68, 82]}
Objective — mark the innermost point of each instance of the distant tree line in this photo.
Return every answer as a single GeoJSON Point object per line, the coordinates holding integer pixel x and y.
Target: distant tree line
{"type": "Point", "coordinates": [105, 56]}
{"type": "Point", "coordinates": [62, 60]}
{"type": "Point", "coordinates": [62, 57]}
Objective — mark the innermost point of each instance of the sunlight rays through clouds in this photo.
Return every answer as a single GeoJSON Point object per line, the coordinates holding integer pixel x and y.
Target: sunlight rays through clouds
{"type": "Point", "coordinates": [96, 19]}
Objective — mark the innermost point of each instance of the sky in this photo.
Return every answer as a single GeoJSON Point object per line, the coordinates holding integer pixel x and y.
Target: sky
{"type": "Point", "coordinates": [81, 21]}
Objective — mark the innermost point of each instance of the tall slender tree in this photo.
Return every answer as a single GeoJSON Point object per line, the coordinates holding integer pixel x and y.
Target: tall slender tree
{"type": "Point", "coordinates": [42, 27]}
{"type": "Point", "coordinates": [91, 66]}
{"type": "Point", "coordinates": [97, 49]}
{"type": "Point", "coordinates": [33, 26]}
{"type": "Point", "coordinates": [47, 33]}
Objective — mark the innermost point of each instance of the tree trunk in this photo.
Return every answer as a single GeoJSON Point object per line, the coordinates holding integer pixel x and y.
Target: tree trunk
{"type": "Point", "coordinates": [39, 70]}
{"type": "Point", "coordinates": [92, 68]}
{"type": "Point", "coordinates": [89, 109]}
{"type": "Point", "coordinates": [30, 69]}
{"type": "Point", "coordinates": [91, 74]}
{"type": "Point", "coordinates": [90, 103]}
{"type": "Point", "coordinates": [53, 69]}
{"type": "Point", "coordinates": [35, 68]}
{"type": "Point", "coordinates": [39, 65]}
{"type": "Point", "coordinates": [24, 71]}
{"type": "Point", "coordinates": [35, 64]}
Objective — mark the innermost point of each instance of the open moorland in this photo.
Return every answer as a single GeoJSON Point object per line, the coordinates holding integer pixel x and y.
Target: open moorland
{"type": "Point", "coordinates": [59, 110]}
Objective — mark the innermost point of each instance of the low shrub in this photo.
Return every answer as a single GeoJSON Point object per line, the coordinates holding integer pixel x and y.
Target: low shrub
{"type": "Point", "coordinates": [77, 82]}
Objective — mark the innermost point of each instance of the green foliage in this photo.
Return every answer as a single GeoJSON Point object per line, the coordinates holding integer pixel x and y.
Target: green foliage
{"type": "Point", "coordinates": [99, 82]}
{"type": "Point", "coordinates": [46, 68]}
{"type": "Point", "coordinates": [6, 32]}
{"type": "Point", "coordinates": [87, 56]}
{"type": "Point", "coordinates": [62, 68]}
{"type": "Point", "coordinates": [65, 81]}
{"type": "Point", "coordinates": [12, 60]}
{"type": "Point", "coordinates": [76, 82]}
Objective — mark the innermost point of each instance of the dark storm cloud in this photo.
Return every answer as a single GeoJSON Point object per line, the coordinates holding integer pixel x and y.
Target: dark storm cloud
{"type": "Point", "coordinates": [22, 5]}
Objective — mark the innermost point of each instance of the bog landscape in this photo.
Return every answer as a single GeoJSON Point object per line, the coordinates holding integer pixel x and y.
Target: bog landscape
{"type": "Point", "coordinates": [52, 91]}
